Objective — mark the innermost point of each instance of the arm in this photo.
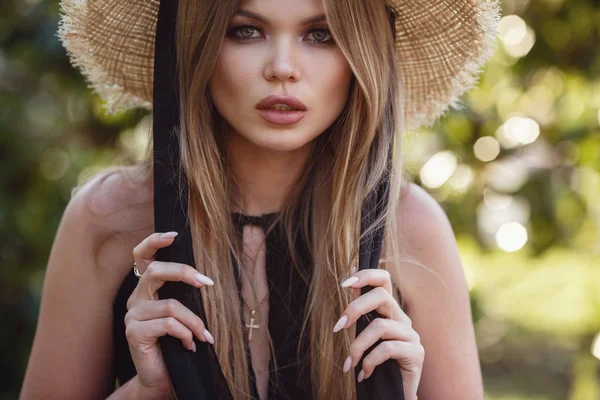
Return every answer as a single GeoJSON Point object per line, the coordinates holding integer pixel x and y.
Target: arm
{"type": "Point", "coordinates": [71, 356]}
{"type": "Point", "coordinates": [440, 311]}
{"type": "Point", "coordinates": [132, 389]}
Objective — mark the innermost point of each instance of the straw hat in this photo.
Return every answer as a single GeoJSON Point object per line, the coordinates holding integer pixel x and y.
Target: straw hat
{"type": "Point", "coordinates": [440, 47]}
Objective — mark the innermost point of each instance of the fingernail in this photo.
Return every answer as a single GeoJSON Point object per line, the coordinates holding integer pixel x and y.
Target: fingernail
{"type": "Point", "coordinates": [193, 346]}
{"type": "Point", "coordinates": [208, 337]}
{"type": "Point", "coordinates": [204, 279]}
{"type": "Point", "coordinates": [347, 364]}
{"type": "Point", "coordinates": [361, 375]}
{"type": "Point", "coordinates": [350, 281]}
{"type": "Point", "coordinates": [340, 324]}
{"type": "Point", "coordinates": [168, 235]}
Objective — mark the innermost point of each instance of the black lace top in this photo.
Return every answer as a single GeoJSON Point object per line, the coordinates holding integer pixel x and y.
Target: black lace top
{"type": "Point", "coordinates": [287, 296]}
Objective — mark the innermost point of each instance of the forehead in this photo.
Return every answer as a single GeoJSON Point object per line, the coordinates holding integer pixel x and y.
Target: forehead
{"type": "Point", "coordinates": [281, 11]}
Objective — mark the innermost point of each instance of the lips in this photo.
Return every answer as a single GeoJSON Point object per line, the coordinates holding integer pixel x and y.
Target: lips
{"type": "Point", "coordinates": [281, 110]}
{"type": "Point", "coordinates": [290, 101]}
{"type": "Point", "coordinates": [281, 117]}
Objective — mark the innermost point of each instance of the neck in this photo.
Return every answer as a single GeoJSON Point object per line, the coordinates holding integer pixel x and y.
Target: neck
{"type": "Point", "coordinates": [262, 178]}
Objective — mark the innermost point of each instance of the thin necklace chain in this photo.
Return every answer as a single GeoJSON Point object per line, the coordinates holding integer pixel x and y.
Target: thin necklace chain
{"type": "Point", "coordinates": [251, 325]}
{"type": "Point", "coordinates": [259, 304]}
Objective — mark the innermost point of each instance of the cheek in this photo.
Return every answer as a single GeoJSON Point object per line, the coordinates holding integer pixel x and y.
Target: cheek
{"type": "Point", "coordinates": [333, 77]}
{"type": "Point", "coordinates": [233, 74]}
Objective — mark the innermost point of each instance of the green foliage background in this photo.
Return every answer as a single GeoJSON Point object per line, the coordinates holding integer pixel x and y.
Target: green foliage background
{"type": "Point", "coordinates": [525, 213]}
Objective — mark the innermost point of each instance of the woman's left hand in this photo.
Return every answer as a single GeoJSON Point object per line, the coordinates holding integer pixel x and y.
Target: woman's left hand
{"type": "Point", "coordinates": [401, 341]}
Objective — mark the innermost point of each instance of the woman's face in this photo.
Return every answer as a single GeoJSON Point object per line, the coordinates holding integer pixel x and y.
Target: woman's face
{"type": "Point", "coordinates": [280, 48]}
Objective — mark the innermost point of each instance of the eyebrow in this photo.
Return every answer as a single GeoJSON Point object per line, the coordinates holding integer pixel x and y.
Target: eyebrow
{"type": "Point", "coordinates": [260, 18]}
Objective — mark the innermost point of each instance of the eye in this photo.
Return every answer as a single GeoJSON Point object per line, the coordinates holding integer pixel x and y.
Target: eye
{"type": "Point", "coordinates": [243, 31]}
{"type": "Point", "coordinates": [321, 35]}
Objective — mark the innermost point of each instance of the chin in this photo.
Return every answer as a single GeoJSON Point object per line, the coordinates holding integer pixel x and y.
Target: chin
{"type": "Point", "coordinates": [278, 139]}
{"type": "Point", "coordinates": [265, 136]}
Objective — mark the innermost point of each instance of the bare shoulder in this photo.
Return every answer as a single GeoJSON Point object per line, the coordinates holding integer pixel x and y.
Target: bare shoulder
{"type": "Point", "coordinates": [116, 208]}
{"type": "Point", "coordinates": [436, 295]}
{"type": "Point", "coordinates": [118, 204]}
{"type": "Point", "coordinates": [421, 211]}
{"type": "Point", "coordinates": [426, 237]}
{"type": "Point", "coordinates": [117, 199]}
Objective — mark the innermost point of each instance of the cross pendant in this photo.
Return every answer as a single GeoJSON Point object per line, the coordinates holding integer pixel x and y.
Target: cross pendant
{"type": "Point", "coordinates": [251, 325]}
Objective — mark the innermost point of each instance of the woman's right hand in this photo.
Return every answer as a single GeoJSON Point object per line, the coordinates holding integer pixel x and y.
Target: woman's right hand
{"type": "Point", "coordinates": [148, 318]}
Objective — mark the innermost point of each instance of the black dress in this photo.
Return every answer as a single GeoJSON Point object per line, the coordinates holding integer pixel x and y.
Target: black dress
{"type": "Point", "coordinates": [287, 297]}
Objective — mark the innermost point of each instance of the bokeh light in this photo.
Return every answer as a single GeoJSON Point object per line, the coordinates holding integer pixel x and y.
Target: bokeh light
{"type": "Point", "coordinates": [517, 131]}
{"type": "Point", "coordinates": [517, 37]}
{"type": "Point", "coordinates": [486, 148]}
{"type": "Point", "coordinates": [438, 169]}
{"type": "Point", "coordinates": [511, 236]}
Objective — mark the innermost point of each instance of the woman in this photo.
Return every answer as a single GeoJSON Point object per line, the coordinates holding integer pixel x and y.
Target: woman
{"type": "Point", "coordinates": [289, 109]}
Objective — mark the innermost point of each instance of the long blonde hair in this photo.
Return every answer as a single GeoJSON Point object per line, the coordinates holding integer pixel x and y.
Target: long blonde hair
{"type": "Point", "coordinates": [347, 162]}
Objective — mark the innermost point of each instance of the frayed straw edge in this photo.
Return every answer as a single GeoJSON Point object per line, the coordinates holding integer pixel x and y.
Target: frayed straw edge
{"type": "Point", "coordinates": [488, 14]}
{"type": "Point", "coordinates": [76, 41]}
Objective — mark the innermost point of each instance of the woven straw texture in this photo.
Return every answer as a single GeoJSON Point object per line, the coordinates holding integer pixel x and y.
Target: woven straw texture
{"type": "Point", "coordinates": [441, 47]}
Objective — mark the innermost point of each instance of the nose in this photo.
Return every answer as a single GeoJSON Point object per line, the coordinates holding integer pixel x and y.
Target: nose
{"type": "Point", "coordinates": [282, 63]}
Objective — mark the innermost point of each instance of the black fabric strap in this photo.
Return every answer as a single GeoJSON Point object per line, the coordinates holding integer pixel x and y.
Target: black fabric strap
{"type": "Point", "coordinates": [386, 381]}
{"type": "Point", "coordinates": [197, 375]}
{"type": "Point", "coordinates": [193, 375]}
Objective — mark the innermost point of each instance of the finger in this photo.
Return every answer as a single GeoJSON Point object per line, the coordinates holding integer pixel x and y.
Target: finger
{"type": "Point", "coordinates": [370, 277]}
{"type": "Point", "coordinates": [158, 273]}
{"type": "Point", "coordinates": [141, 334]}
{"type": "Point", "coordinates": [355, 293]}
{"type": "Point", "coordinates": [170, 308]}
{"type": "Point", "coordinates": [379, 328]}
{"type": "Point", "coordinates": [408, 355]}
{"type": "Point", "coordinates": [378, 300]}
{"type": "Point", "coordinates": [143, 253]}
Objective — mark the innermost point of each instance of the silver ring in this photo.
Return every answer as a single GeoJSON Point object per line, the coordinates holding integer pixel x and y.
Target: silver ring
{"type": "Point", "coordinates": [135, 271]}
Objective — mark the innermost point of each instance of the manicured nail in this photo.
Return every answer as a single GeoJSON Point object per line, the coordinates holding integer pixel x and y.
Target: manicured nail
{"type": "Point", "coordinates": [350, 281]}
{"type": "Point", "coordinates": [361, 375]}
{"type": "Point", "coordinates": [208, 337]}
{"type": "Point", "coordinates": [193, 346]}
{"type": "Point", "coordinates": [341, 323]}
{"type": "Point", "coordinates": [168, 235]}
{"type": "Point", "coordinates": [347, 364]}
{"type": "Point", "coordinates": [204, 279]}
